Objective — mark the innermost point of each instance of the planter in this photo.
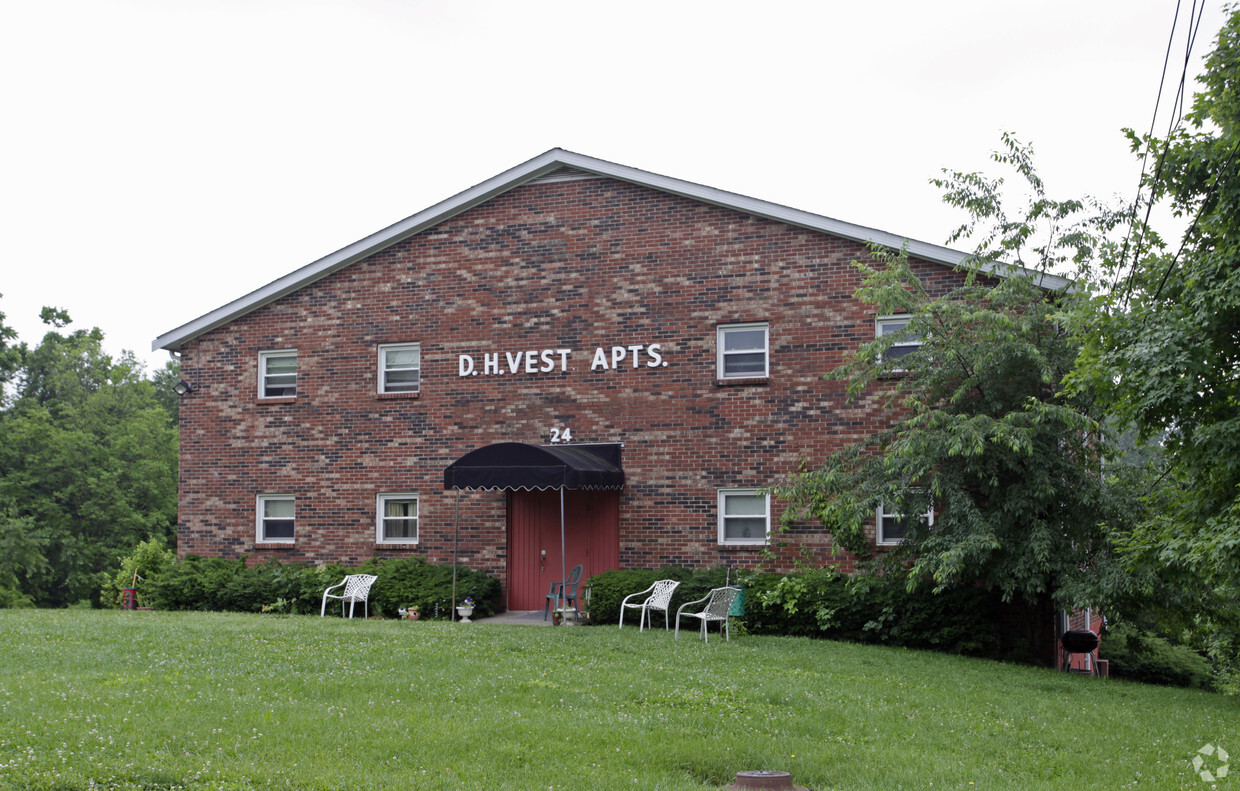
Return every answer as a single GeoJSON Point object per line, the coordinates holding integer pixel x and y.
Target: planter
{"type": "Point", "coordinates": [465, 612]}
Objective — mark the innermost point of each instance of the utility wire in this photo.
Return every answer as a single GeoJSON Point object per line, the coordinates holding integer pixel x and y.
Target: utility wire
{"type": "Point", "coordinates": [1205, 201]}
{"type": "Point", "coordinates": [1177, 114]}
{"type": "Point", "coordinates": [1162, 81]}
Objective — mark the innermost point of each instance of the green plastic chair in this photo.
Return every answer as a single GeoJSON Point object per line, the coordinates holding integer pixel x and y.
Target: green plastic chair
{"type": "Point", "coordinates": [566, 590]}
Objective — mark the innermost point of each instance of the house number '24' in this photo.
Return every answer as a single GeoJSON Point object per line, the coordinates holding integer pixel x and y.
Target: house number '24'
{"type": "Point", "coordinates": [561, 435]}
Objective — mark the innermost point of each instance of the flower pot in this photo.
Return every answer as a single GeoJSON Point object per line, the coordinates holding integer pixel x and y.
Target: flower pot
{"type": "Point", "coordinates": [556, 618]}
{"type": "Point", "coordinates": [465, 612]}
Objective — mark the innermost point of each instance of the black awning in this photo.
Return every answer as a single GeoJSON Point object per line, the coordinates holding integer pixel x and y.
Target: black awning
{"type": "Point", "coordinates": [515, 465]}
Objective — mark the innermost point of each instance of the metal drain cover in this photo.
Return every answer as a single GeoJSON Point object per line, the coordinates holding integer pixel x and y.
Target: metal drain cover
{"type": "Point", "coordinates": [764, 778]}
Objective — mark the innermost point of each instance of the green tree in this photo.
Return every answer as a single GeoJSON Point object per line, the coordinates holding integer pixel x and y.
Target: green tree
{"type": "Point", "coordinates": [165, 379]}
{"type": "Point", "coordinates": [10, 357]}
{"type": "Point", "coordinates": [1162, 341]}
{"type": "Point", "coordinates": [87, 466]}
{"type": "Point", "coordinates": [1161, 352]}
{"type": "Point", "coordinates": [983, 433]}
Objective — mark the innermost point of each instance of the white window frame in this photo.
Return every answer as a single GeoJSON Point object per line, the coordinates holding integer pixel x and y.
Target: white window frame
{"type": "Point", "coordinates": [720, 356]}
{"type": "Point", "coordinates": [879, 514]}
{"type": "Point", "coordinates": [383, 369]}
{"type": "Point", "coordinates": [881, 322]}
{"type": "Point", "coordinates": [260, 519]}
{"type": "Point", "coordinates": [381, 501]}
{"type": "Point", "coordinates": [723, 496]}
{"type": "Point", "coordinates": [263, 358]}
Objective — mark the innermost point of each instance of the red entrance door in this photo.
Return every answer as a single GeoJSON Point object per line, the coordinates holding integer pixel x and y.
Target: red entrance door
{"type": "Point", "coordinates": [591, 538]}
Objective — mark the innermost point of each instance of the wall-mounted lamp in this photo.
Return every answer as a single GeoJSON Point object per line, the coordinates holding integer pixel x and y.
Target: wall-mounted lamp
{"type": "Point", "coordinates": [182, 387]}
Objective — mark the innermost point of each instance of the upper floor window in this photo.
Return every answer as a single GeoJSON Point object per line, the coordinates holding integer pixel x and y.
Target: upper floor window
{"type": "Point", "coordinates": [892, 528]}
{"type": "Point", "coordinates": [744, 516]}
{"type": "Point", "coordinates": [742, 351]}
{"type": "Point", "coordinates": [400, 367]}
{"type": "Point", "coordinates": [277, 374]}
{"type": "Point", "coordinates": [396, 520]}
{"type": "Point", "coordinates": [896, 325]}
{"type": "Point", "coordinates": [276, 518]}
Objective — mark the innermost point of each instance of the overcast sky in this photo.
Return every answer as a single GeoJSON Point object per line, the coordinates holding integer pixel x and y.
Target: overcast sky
{"type": "Point", "coordinates": [160, 159]}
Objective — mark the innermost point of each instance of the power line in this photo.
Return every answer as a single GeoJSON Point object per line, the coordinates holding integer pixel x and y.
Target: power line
{"type": "Point", "coordinates": [1205, 201]}
{"type": "Point", "coordinates": [1177, 116]}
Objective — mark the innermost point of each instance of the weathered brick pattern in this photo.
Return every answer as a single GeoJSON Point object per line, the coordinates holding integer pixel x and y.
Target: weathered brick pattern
{"type": "Point", "coordinates": [571, 265]}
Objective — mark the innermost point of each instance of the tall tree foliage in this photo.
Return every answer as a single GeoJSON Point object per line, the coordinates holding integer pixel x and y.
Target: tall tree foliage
{"type": "Point", "coordinates": [10, 356]}
{"type": "Point", "coordinates": [87, 466]}
{"type": "Point", "coordinates": [985, 435]}
{"type": "Point", "coordinates": [1161, 351]}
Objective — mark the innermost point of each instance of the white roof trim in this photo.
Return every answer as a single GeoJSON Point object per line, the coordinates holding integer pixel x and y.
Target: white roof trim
{"type": "Point", "coordinates": [528, 171]}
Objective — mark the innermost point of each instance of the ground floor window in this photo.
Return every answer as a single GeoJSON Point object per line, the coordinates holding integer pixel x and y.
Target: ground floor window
{"type": "Point", "coordinates": [744, 516]}
{"type": "Point", "coordinates": [905, 344]}
{"type": "Point", "coordinates": [276, 518]}
{"type": "Point", "coordinates": [892, 528]}
{"type": "Point", "coordinates": [397, 519]}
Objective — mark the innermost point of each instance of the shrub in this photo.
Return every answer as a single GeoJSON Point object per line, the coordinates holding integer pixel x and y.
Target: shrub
{"type": "Point", "coordinates": [196, 583]}
{"type": "Point", "coordinates": [149, 559]}
{"type": "Point", "coordinates": [220, 584]}
{"type": "Point", "coordinates": [822, 602]}
{"type": "Point", "coordinates": [413, 581]}
{"type": "Point", "coordinates": [1140, 655]}
{"type": "Point", "coordinates": [607, 590]}
{"type": "Point", "coordinates": [13, 598]}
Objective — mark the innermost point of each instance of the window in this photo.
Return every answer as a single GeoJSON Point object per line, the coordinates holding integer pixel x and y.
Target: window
{"type": "Point", "coordinates": [396, 520]}
{"type": "Point", "coordinates": [277, 374]}
{"type": "Point", "coordinates": [892, 325]}
{"type": "Point", "coordinates": [276, 518]}
{"type": "Point", "coordinates": [744, 516]}
{"type": "Point", "coordinates": [400, 367]}
{"type": "Point", "coordinates": [893, 528]}
{"type": "Point", "coordinates": [742, 351]}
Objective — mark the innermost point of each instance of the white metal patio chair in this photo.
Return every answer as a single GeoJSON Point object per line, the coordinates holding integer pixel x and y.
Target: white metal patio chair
{"type": "Point", "coordinates": [356, 588]}
{"type": "Point", "coordinates": [660, 598]}
{"type": "Point", "coordinates": [718, 604]}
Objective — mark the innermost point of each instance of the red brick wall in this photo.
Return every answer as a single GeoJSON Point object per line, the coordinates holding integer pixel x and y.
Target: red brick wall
{"type": "Point", "coordinates": [571, 265]}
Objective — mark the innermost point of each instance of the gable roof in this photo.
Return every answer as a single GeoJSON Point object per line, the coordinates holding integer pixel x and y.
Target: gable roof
{"type": "Point", "coordinates": [543, 165]}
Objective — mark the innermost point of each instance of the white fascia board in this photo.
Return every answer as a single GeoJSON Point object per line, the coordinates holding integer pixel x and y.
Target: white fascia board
{"type": "Point", "coordinates": [527, 171]}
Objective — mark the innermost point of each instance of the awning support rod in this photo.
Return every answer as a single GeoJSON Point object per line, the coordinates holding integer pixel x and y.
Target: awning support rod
{"type": "Point", "coordinates": [456, 534]}
{"type": "Point", "coordinates": [563, 576]}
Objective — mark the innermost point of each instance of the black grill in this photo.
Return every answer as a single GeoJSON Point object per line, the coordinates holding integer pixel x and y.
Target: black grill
{"type": "Point", "coordinates": [1079, 641]}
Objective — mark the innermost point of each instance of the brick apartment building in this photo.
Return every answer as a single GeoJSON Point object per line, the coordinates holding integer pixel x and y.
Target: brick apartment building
{"type": "Point", "coordinates": [648, 348]}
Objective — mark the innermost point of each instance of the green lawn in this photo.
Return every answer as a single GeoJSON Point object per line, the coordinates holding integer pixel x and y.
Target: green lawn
{"type": "Point", "coordinates": [221, 701]}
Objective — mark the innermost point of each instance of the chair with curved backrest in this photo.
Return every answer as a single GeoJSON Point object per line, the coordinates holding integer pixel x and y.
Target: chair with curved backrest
{"type": "Point", "coordinates": [356, 588]}
{"type": "Point", "coordinates": [718, 604]}
{"type": "Point", "coordinates": [660, 598]}
{"type": "Point", "coordinates": [566, 590]}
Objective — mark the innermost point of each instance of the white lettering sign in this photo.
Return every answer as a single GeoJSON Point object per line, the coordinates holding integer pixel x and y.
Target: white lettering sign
{"type": "Point", "coordinates": [545, 361]}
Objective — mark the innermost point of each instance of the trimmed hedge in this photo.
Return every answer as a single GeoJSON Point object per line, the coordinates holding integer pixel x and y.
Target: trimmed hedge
{"type": "Point", "coordinates": [825, 603]}
{"type": "Point", "coordinates": [865, 609]}
{"type": "Point", "coordinates": [220, 584]}
{"type": "Point", "coordinates": [607, 590]}
{"type": "Point", "coordinates": [416, 582]}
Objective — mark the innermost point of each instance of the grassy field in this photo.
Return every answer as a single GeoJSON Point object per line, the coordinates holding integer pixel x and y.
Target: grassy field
{"type": "Point", "coordinates": [92, 699]}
